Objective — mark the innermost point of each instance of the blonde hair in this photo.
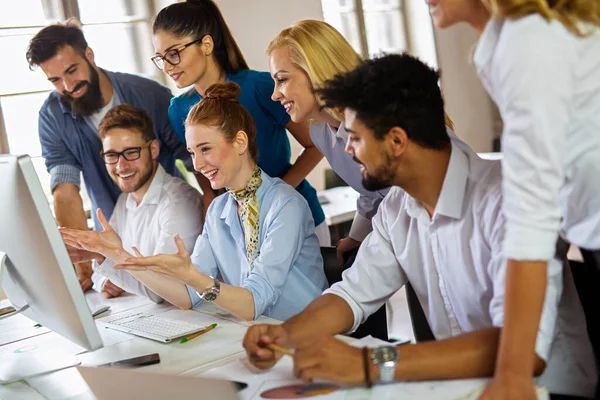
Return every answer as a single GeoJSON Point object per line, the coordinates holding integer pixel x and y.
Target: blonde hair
{"type": "Point", "coordinates": [319, 50]}
{"type": "Point", "coordinates": [322, 52]}
{"type": "Point", "coordinates": [573, 14]}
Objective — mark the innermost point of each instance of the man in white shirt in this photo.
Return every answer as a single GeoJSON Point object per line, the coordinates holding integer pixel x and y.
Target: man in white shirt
{"type": "Point", "coordinates": [152, 208]}
{"type": "Point", "coordinates": [441, 228]}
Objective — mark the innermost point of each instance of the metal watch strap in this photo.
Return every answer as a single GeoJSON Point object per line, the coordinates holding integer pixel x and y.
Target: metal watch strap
{"type": "Point", "coordinates": [212, 293]}
{"type": "Point", "coordinates": [385, 358]}
{"type": "Point", "coordinates": [387, 371]}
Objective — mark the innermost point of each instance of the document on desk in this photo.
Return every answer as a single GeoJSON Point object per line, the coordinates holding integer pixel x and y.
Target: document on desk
{"type": "Point", "coordinates": [125, 301]}
{"type": "Point", "coordinates": [281, 376]}
{"type": "Point", "coordinates": [19, 327]}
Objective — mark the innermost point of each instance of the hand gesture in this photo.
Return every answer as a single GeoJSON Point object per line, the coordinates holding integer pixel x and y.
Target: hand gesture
{"type": "Point", "coordinates": [345, 245]}
{"type": "Point", "coordinates": [110, 290]}
{"type": "Point", "coordinates": [255, 340]}
{"type": "Point", "coordinates": [84, 274]}
{"type": "Point", "coordinates": [106, 243]}
{"type": "Point", "coordinates": [178, 265]}
{"type": "Point", "coordinates": [330, 359]}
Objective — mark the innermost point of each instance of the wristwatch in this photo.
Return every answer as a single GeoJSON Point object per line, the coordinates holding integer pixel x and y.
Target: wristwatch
{"type": "Point", "coordinates": [385, 358]}
{"type": "Point", "coordinates": [212, 293]}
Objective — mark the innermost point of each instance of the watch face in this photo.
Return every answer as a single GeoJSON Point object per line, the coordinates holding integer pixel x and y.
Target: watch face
{"type": "Point", "coordinates": [210, 296]}
{"type": "Point", "coordinates": [384, 354]}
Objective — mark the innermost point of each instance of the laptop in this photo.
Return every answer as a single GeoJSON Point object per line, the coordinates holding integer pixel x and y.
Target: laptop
{"type": "Point", "coordinates": [126, 384]}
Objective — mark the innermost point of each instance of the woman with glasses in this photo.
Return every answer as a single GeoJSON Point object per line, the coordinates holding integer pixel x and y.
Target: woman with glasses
{"type": "Point", "coordinates": [258, 253]}
{"type": "Point", "coordinates": [540, 62]}
{"type": "Point", "coordinates": [195, 47]}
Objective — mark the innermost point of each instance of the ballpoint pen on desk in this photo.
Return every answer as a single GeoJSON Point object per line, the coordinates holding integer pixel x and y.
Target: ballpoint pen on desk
{"type": "Point", "coordinates": [193, 335]}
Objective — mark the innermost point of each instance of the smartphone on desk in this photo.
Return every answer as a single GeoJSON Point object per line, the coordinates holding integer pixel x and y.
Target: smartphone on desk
{"type": "Point", "coordinates": [141, 361]}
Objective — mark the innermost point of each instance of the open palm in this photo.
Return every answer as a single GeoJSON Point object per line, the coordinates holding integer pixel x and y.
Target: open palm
{"type": "Point", "coordinates": [107, 243]}
{"type": "Point", "coordinates": [178, 265]}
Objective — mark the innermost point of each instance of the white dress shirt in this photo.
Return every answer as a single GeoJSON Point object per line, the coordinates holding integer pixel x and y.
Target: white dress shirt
{"type": "Point", "coordinates": [170, 206]}
{"type": "Point", "coordinates": [456, 265]}
{"type": "Point", "coordinates": [546, 83]}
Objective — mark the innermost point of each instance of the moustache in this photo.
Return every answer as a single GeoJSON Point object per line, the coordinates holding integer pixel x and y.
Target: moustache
{"type": "Point", "coordinates": [356, 160]}
{"type": "Point", "coordinates": [77, 87]}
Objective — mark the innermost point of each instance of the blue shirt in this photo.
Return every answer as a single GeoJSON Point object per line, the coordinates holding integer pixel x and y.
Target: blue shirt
{"type": "Point", "coordinates": [270, 117]}
{"type": "Point", "coordinates": [71, 145]}
{"type": "Point", "coordinates": [288, 270]}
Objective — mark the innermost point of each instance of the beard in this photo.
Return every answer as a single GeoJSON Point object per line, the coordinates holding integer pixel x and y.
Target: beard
{"type": "Point", "coordinates": [382, 178]}
{"type": "Point", "coordinates": [145, 176]}
{"type": "Point", "coordinates": [92, 100]}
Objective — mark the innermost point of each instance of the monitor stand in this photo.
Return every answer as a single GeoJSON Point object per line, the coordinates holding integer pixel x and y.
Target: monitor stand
{"type": "Point", "coordinates": [29, 361]}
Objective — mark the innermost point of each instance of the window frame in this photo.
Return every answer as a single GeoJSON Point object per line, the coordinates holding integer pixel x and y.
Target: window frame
{"type": "Point", "coordinates": [62, 10]}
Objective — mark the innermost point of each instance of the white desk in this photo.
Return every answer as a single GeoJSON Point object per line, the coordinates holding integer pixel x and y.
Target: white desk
{"type": "Point", "coordinates": [341, 205]}
{"type": "Point", "coordinates": [213, 348]}
{"type": "Point", "coordinates": [217, 353]}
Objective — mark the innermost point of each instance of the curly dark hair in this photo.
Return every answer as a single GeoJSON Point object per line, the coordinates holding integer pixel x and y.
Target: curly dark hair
{"type": "Point", "coordinates": [393, 90]}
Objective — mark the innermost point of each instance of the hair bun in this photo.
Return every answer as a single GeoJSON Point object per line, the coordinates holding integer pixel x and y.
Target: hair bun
{"type": "Point", "coordinates": [225, 91]}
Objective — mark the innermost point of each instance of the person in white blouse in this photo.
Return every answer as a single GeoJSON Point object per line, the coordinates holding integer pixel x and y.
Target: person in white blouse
{"type": "Point", "coordinates": [441, 228]}
{"type": "Point", "coordinates": [152, 208]}
{"type": "Point", "coordinates": [540, 63]}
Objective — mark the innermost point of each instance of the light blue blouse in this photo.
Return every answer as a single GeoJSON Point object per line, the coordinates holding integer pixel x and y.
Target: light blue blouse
{"type": "Point", "coordinates": [288, 271]}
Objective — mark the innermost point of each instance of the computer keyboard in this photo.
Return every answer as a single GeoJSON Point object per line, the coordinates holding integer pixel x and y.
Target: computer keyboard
{"type": "Point", "coordinates": [149, 326]}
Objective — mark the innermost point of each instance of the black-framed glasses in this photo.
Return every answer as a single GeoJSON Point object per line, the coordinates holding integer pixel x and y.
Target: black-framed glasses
{"type": "Point", "coordinates": [172, 55]}
{"type": "Point", "coordinates": [130, 154]}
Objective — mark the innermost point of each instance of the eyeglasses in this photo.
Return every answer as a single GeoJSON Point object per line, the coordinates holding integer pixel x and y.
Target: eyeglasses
{"type": "Point", "coordinates": [171, 56]}
{"type": "Point", "coordinates": [130, 154]}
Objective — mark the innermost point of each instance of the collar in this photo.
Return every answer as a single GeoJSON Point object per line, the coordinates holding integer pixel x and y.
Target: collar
{"type": "Point", "coordinates": [486, 45]}
{"type": "Point", "coordinates": [66, 108]}
{"type": "Point", "coordinates": [452, 195]}
{"type": "Point", "coordinates": [229, 212]}
{"type": "Point", "coordinates": [340, 133]}
{"type": "Point", "coordinates": [154, 192]}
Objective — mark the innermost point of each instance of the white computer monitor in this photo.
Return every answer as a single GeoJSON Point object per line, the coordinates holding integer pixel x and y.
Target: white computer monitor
{"type": "Point", "coordinates": [37, 271]}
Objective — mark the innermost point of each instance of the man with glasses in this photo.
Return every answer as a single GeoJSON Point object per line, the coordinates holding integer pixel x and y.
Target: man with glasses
{"type": "Point", "coordinates": [152, 208]}
{"type": "Point", "coordinates": [69, 119]}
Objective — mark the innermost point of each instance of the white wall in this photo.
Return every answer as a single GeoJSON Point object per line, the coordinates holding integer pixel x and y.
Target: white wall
{"type": "Point", "coordinates": [474, 115]}
{"type": "Point", "coordinates": [254, 24]}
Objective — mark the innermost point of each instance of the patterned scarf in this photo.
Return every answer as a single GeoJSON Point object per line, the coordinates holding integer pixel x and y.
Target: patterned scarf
{"type": "Point", "coordinates": [248, 202]}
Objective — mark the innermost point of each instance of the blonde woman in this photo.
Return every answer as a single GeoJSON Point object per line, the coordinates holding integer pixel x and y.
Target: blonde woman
{"type": "Point", "coordinates": [540, 62]}
{"type": "Point", "coordinates": [301, 58]}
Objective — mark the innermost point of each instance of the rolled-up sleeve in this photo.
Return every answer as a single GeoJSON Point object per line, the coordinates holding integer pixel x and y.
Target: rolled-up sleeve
{"type": "Point", "coordinates": [283, 241]}
{"type": "Point", "coordinates": [367, 205]}
{"type": "Point", "coordinates": [534, 81]}
{"type": "Point", "coordinates": [204, 260]}
{"type": "Point", "coordinates": [60, 161]}
{"type": "Point", "coordinates": [375, 275]}
{"type": "Point", "coordinates": [494, 224]}
{"type": "Point", "coordinates": [360, 228]}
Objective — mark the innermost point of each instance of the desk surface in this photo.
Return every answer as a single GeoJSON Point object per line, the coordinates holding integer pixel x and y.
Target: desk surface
{"type": "Point", "coordinates": [219, 353]}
